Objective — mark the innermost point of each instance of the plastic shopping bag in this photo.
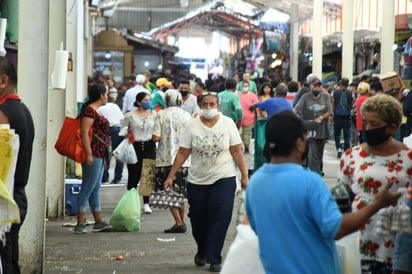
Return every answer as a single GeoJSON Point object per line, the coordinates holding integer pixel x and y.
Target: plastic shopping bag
{"type": "Point", "coordinates": [125, 152]}
{"type": "Point", "coordinates": [126, 215]}
{"type": "Point", "coordinates": [243, 255]}
{"type": "Point", "coordinates": [348, 254]}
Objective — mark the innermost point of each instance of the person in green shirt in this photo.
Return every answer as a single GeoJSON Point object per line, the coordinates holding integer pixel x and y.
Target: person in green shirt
{"type": "Point", "coordinates": [148, 85]}
{"type": "Point", "coordinates": [252, 84]}
{"type": "Point", "coordinates": [230, 103]}
{"type": "Point", "coordinates": [157, 96]}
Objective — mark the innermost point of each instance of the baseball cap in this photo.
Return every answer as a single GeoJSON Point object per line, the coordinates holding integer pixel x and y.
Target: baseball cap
{"type": "Point", "coordinates": [140, 79]}
{"type": "Point", "coordinates": [282, 130]}
{"type": "Point", "coordinates": [163, 82]}
{"type": "Point", "coordinates": [315, 81]}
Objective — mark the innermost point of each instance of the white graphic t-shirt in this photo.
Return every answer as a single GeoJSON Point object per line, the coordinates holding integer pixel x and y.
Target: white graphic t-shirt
{"type": "Point", "coordinates": [211, 158]}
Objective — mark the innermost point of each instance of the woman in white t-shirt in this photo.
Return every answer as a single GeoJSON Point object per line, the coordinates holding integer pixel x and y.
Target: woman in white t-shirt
{"type": "Point", "coordinates": [214, 144]}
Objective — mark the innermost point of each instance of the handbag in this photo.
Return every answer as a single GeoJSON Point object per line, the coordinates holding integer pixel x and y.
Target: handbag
{"type": "Point", "coordinates": [69, 142]}
{"type": "Point", "coordinates": [126, 215]}
{"type": "Point", "coordinates": [125, 152]}
{"type": "Point", "coordinates": [167, 199]}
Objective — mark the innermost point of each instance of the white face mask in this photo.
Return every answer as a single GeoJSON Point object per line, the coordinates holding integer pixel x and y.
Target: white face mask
{"type": "Point", "coordinates": [208, 113]}
{"type": "Point", "coordinates": [245, 89]}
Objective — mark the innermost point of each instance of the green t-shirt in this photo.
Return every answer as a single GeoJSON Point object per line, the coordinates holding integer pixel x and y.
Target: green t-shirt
{"type": "Point", "coordinates": [230, 105]}
{"type": "Point", "coordinates": [156, 100]}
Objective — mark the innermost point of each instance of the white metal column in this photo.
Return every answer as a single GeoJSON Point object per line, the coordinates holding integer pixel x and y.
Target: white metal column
{"type": "Point", "coordinates": [317, 38]}
{"type": "Point", "coordinates": [33, 88]}
{"type": "Point", "coordinates": [294, 41]}
{"type": "Point", "coordinates": [387, 34]}
{"type": "Point", "coordinates": [347, 39]}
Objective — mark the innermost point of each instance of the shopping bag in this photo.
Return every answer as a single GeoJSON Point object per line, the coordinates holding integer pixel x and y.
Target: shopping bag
{"type": "Point", "coordinates": [126, 215]}
{"type": "Point", "coordinates": [69, 142]}
{"type": "Point", "coordinates": [348, 254]}
{"type": "Point", "coordinates": [125, 152]}
{"type": "Point", "coordinates": [243, 255]}
{"type": "Point", "coordinates": [167, 199]}
{"type": "Point", "coordinates": [241, 217]}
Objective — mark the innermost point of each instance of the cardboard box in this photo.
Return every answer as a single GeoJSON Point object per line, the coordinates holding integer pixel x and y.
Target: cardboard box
{"type": "Point", "coordinates": [72, 189]}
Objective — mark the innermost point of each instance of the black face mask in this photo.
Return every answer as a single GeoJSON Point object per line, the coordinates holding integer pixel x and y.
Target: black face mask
{"type": "Point", "coordinates": [184, 93]}
{"type": "Point", "coordinates": [376, 136]}
{"type": "Point", "coordinates": [165, 89]}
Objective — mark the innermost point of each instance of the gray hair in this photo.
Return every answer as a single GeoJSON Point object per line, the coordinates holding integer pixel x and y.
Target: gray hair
{"type": "Point", "coordinates": [173, 98]}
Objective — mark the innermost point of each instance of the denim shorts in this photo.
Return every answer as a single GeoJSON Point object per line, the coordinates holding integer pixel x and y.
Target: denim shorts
{"type": "Point", "coordinates": [402, 259]}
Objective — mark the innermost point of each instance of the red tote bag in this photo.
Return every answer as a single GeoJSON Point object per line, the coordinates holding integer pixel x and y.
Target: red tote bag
{"type": "Point", "coordinates": [69, 142]}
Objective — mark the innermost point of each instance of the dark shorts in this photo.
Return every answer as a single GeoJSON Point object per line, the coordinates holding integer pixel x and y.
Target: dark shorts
{"type": "Point", "coordinates": [179, 181]}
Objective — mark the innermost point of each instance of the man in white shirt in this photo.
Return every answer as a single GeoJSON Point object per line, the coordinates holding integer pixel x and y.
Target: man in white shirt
{"type": "Point", "coordinates": [189, 100]}
{"type": "Point", "coordinates": [114, 115]}
{"type": "Point", "coordinates": [130, 96]}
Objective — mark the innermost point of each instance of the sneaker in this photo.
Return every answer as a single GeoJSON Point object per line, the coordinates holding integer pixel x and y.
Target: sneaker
{"type": "Point", "coordinates": [200, 260]}
{"type": "Point", "coordinates": [215, 267]}
{"type": "Point", "coordinates": [176, 229]}
{"type": "Point", "coordinates": [339, 153]}
{"type": "Point", "coordinates": [115, 181]}
{"type": "Point", "coordinates": [147, 209]}
{"type": "Point", "coordinates": [80, 229]}
{"type": "Point", "coordinates": [102, 227]}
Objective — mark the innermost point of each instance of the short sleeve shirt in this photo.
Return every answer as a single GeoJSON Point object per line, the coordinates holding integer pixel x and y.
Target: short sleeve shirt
{"type": "Point", "coordinates": [211, 158]}
{"type": "Point", "coordinates": [100, 127]}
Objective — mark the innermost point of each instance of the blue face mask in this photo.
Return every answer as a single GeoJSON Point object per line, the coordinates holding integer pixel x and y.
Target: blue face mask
{"type": "Point", "coordinates": [146, 105]}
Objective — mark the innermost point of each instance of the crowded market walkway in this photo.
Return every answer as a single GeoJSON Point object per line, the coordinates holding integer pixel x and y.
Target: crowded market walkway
{"type": "Point", "coordinates": [148, 251]}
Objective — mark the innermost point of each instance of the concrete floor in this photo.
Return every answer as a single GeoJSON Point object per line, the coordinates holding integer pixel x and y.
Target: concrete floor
{"type": "Point", "coordinates": [148, 251]}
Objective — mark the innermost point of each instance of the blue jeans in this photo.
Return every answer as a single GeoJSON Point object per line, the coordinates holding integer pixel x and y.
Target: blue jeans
{"type": "Point", "coordinates": [210, 213]}
{"type": "Point", "coordinates": [118, 170]}
{"type": "Point", "coordinates": [90, 189]}
{"type": "Point", "coordinates": [342, 124]}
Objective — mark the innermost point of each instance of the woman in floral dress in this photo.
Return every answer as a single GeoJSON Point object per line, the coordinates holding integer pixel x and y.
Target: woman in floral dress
{"type": "Point", "coordinates": [369, 166]}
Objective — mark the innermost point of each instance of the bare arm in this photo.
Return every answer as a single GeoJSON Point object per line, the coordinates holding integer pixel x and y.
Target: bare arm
{"type": "Point", "coordinates": [237, 155]}
{"type": "Point", "coordinates": [352, 221]}
{"type": "Point", "coordinates": [181, 157]}
{"type": "Point", "coordinates": [85, 125]}
{"type": "Point", "coordinates": [3, 118]}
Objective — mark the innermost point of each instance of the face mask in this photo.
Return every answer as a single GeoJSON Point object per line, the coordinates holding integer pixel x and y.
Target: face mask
{"type": "Point", "coordinates": [376, 136]}
{"type": "Point", "coordinates": [184, 93]}
{"type": "Point", "coordinates": [146, 105]}
{"type": "Point", "coordinates": [165, 89]}
{"type": "Point", "coordinates": [315, 92]}
{"type": "Point", "coordinates": [208, 113]}
{"type": "Point", "coordinates": [245, 89]}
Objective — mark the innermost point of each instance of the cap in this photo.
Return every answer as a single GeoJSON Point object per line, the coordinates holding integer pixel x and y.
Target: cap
{"type": "Point", "coordinates": [315, 80]}
{"type": "Point", "coordinates": [140, 79]}
{"type": "Point", "coordinates": [282, 130]}
{"type": "Point", "coordinates": [173, 97]}
{"type": "Point", "coordinates": [163, 82]}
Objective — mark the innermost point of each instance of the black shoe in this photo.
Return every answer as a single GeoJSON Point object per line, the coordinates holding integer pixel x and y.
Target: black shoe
{"type": "Point", "coordinates": [200, 260]}
{"type": "Point", "coordinates": [115, 181]}
{"type": "Point", "coordinates": [176, 229]}
{"type": "Point", "coordinates": [215, 267]}
{"type": "Point", "coordinates": [339, 154]}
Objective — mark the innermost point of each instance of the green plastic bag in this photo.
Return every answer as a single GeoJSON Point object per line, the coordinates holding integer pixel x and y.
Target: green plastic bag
{"type": "Point", "coordinates": [260, 140]}
{"type": "Point", "coordinates": [126, 215]}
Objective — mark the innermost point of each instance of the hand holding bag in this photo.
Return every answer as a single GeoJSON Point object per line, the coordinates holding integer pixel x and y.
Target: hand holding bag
{"type": "Point", "coordinates": [125, 152]}
{"type": "Point", "coordinates": [69, 142]}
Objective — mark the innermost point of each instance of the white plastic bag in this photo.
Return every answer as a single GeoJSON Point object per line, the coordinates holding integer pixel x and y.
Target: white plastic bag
{"type": "Point", "coordinates": [243, 255]}
{"type": "Point", "coordinates": [349, 254]}
{"type": "Point", "coordinates": [125, 152]}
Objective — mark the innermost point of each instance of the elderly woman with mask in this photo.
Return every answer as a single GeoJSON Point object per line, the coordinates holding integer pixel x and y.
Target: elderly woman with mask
{"type": "Point", "coordinates": [213, 142]}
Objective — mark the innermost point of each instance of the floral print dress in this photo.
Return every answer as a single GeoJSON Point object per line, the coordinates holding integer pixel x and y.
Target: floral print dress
{"type": "Point", "coordinates": [367, 174]}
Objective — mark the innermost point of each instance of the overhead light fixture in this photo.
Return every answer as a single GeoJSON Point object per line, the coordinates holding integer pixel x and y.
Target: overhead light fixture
{"type": "Point", "coordinates": [339, 44]}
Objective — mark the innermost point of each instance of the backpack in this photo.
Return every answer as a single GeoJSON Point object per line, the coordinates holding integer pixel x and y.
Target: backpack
{"type": "Point", "coordinates": [342, 109]}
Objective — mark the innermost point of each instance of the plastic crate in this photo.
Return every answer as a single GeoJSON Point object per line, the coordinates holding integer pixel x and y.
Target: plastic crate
{"type": "Point", "coordinates": [72, 189]}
